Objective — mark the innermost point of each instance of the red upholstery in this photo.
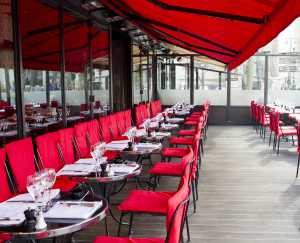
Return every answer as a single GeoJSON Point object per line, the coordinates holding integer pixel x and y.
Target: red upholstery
{"type": "Point", "coordinates": [120, 116]}
{"type": "Point", "coordinates": [186, 132]}
{"type": "Point", "coordinates": [111, 155]}
{"type": "Point", "coordinates": [80, 132]}
{"type": "Point", "coordinates": [21, 160]}
{"type": "Point", "coordinates": [5, 192]}
{"type": "Point", "coordinates": [84, 107]}
{"type": "Point", "coordinates": [48, 152]}
{"type": "Point", "coordinates": [50, 158]}
{"type": "Point", "coordinates": [174, 152]}
{"type": "Point", "coordinates": [104, 129]}
{"type": "Point", "coordinates": [139, 115]}
{"type": "Point", "coordinates": [65, 141]}
{"type": "Point", "coordinates": [128, 119]}
{"type": "Point", "coordinates": [93, 130]}
{"type": "Point", "coordinates": [111, 239]}
{"type": "Point", "coordinates": [146, 201]}
{"type": "Point", "coordinates": [173, 169]}
{"type": "Point", "coordinates": [181, 140]}
{"type": "Point", "coordinates": [191, 123]}
{"type": "Point", "coordinates": [113, 126]}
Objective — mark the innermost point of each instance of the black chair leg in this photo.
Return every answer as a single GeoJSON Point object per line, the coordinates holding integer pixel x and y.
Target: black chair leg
{"type": "Point", "coordinates": [298, 165]}
{"type": "Point", "coordinates": [270, 138]}
{"type": "Point", "coordinates": [187, 229]}
{"type": "Point", "coordinates": [194, 197]}
{"type": "Point", "coordinates": [120, 223]}
{"type": "Point", "coordinates": [130, 224]}
{"type": "Point", "coordinates": [278, 144]}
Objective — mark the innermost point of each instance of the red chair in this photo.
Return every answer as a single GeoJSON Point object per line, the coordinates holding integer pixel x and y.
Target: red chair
{"type": "Point", "coordinates": [176, 213]}
{"type": "Point", "coordinates": [66, 145]}
{"type": "Point", "coordinates": [93, 132]}
{"type": "Point", "coordinates": [49, 157]}
{"type": "Point", "coordinates": [281, 131]}
{"type": "Point", "coordinates": [22, 162]}
{"type": "Point", "coordinates": [128, 119]}
{"type": "Point", "coordinates": [139, 115]}
{"type": "Point", "coordinates": [97, 105]}
{"type": "Point", "coordinates": [120, 116]}
{"type": "Point", "coordinates": [113, 126]}
{"type": "Point", "coordinates": [81, 141]}
{"type": "Point", "coordinates": [5, 192]}
{"type": "Point", "coordinates": [104, 129]}
{"type": "Point", "coordinates": [54, 104]}
{"type": "Point", "coordinates": [151, 202]}
{"type": "Point", "coordinates": [84, 107]}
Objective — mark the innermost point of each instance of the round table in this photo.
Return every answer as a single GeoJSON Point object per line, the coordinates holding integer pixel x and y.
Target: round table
{"type": "Point", "coordinates": [56, 228]}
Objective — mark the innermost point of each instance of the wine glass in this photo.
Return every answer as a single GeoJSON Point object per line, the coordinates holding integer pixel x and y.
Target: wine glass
{"type": "Point", "coordinates": [32, 187]}
{"type": "Point", "coordinates": [49, 177]}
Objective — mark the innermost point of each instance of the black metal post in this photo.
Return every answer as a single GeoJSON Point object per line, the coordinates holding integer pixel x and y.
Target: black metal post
{"type": "Point", "coordinates": [91, 71]}
{"type": "Point", "coordinates": [228, 97]}
{"type": "Point", "coordinates": [266, 81]}
{"type": "Point", "coordinates": [140, 77]}
{"type": "Point", "coordinates": [7, 86]}
{"type": "Point", "coordinates": [62, 63]}
{"type": "Point", "coordinates": [154, 77]}
{"type": "Point", "coordinates": [86, 85]}
{"type": "Point", "coordinates": [197, 78]}
{"type": "Point", "coordinates": [148, 77]}
{"type": "Point", "coordinates": [192, 80]}
{"type": "Point", "coordinates": [18, 69]}
{"type": "Point", "coordinates": [220, 80]}
{"type": "Point", "coordinates": [111, 105]}
{"type": "Point", "coordinates": [48, 87]}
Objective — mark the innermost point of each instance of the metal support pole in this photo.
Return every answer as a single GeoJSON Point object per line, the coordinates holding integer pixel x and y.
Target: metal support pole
{"type": "Point", "coordinates": [111, 105]}
{"type": "Point", "coordinates": [148, 77]}
{"type": "Point", "coordinates": [154, 77]}
{"type": "Point", "coordinates": [197, 78]}
{"type": "Point", "coordinates": [62, 63]}
{"type": "Point", "coordinates": [91, 99]}
{"type": "Point", "coordinates": [86, 85]}
{"type": "Point", "coordinates": [192, 81]}
{"type": "Point", "coordinates": [266, 81]}
{"type": "Point", "coordinates": [7, 85]}
{"type": "Point", "coordinates": [220, 80]}
{"type": "Point", "coordinates": [140, 76]}
{"type": "Point", "coordinates": [48, 87]}
{"type": "Point", "coordinates": [19, 84]}
{"type": "Point", "coordinates": [228, 96]}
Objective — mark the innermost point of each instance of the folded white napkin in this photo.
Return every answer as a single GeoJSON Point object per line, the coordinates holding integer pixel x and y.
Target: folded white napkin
{"type": "Point", "coordinates": [123, 168]}
{"type": "Point", "coordinates": [120, 142]}
{"type": "Point", "coordinates": [116, 146]}
{"type": "Point", "coordinates": [73, 210]}
{"type": "Point", "coordinates": [147, 146]}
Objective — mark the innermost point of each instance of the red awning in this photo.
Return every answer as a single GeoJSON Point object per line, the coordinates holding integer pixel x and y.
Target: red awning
{"type": "Point", "coordinates": [40, 39]}
{"type": "Point", "coordinates": [227, 31]}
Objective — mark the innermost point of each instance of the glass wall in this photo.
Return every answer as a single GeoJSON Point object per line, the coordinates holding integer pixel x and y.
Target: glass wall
{"type": "Point", "coordinates": [209, 83]}
{"type": "Point", "coordinates": [247, 82]}
{"type": "Point", "coordinates": [173, 79]}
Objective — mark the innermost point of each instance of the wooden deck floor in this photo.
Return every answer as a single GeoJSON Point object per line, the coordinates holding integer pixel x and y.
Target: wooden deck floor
{"type": "Point", "coordinates": [247, 193]}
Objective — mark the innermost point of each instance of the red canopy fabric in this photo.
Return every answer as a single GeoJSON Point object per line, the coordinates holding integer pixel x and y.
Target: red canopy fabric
{"type": "Point", "coordinates": [39, 25]}
{"type": "Point", "coordinates": [227, 31]}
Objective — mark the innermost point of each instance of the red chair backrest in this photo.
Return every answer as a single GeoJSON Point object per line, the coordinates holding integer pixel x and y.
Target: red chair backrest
{"type": "Point", "coordinates": [93, 130]}
{"type": "Point", "coordinates": [128, 119]}
{"type": "Point", "coordinates": [21, 160]}
{"type": "Point", "coordinates": [139, 115]}
{"type": "Point", "coordinates": [105, 129]}
{"type": "Point", "coordinates": [120, 116]}
{"type": "Point", "coordinates": [54, 103]}
{"type": "Point", "coordinates": [5, 192]}
{"type": "Point", "coordinates": [66, 144]}
{"type": "Point", "coordinates": [97, 104]}
{"type": "Point", "coordinates": [113, 126]}
{"type": "Point", "coordinates": [48, 152]}
{"type": "Point", "coordinates": [80, 132]}
{"type": "Point", "coordinates": [84, 107]}
{"type": "Point", "coordinates": [176, 212]}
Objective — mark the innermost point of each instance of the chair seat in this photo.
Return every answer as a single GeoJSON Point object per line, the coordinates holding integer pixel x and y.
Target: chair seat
{"type": "Point", "coordinates": [65, 184]}
{"type": "Point", "coordinates": [168, 169]}
{"type": "Point", "coordinates": [146, 202]}
{"type": "Point", "coordinates": [120, 138]}
{"type": "Point", "coordinates": [181, 140]}
{"type": "Point", "coordinates": [174, 152]}
{"type": "Point", "coordinates": [111, 155]}
{"type": "Point", "coordinates": [191, 123]}
{"type": "Point", "coordinates": [287, 132]}
{"type": "Point", "coordinates": [186, 132]}
{"type": "Point", "coordinates": [111, 239]}
{"type": "Point", "coordinates": [192, 118]}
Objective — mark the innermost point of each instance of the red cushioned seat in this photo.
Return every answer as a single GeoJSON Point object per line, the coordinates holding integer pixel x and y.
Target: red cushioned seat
{"type": "Point", "coordinates": [287, 132]}
{"type": "Point", "coordinates": [146, 201]}
{"type": "Point", "coordinates": [181, 140]}
{"type": "Point", "coordinates": [111, 155]}
{"type": "Point", "coordinates": [65, 184]}
{"type": "Point", "coordinates": [5, 192]}
{"type": "Point", "coordinates": [120, 138]}
{"type": "Point", "coordinates": [186, 132]}
{"type": "Point", "coordinates": [174, 152]}
{"type": "Point", "coordinates": [168, 169]}
{"type": "Point", "coordinates": [66, 143]}
{"type": "Point", "coordinates": [110, 239]}
{"type": "Point", "coordinates": [191, 123]}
